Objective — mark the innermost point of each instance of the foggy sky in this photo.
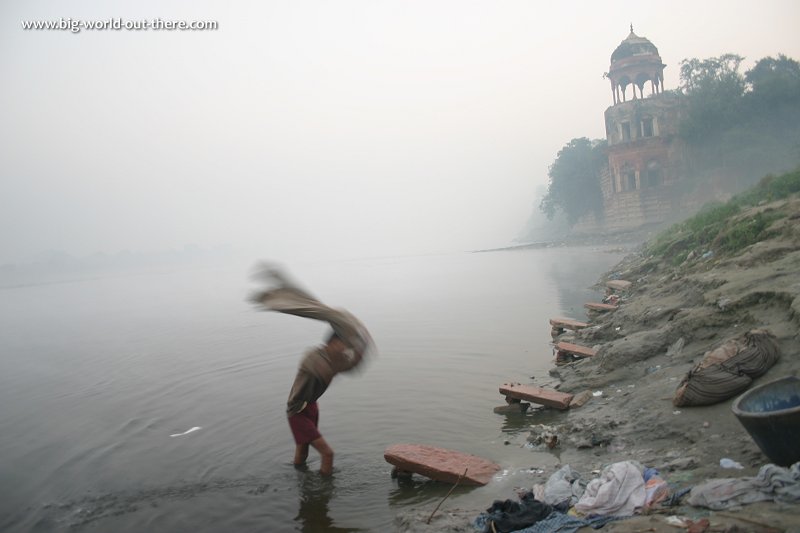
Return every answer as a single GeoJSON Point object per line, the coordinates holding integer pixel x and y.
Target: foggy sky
{"type": "Point", "coordinates": [330, 128]}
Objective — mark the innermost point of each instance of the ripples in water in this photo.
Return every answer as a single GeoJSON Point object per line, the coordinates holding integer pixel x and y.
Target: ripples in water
{"type": "Point", "coordinates": [92, 387]}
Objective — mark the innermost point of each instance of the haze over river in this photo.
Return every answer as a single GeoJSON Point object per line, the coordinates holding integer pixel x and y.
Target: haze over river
{"type": "Point", "coordinates": [96, 375]}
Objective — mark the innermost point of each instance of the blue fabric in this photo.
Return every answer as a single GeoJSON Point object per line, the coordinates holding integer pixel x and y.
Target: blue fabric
{"type": "Point", "coordinates": [648, 473]}
{"type": "Point", "coordinates": [555, 523]}
{"type": "Point", "coordinates": [675, 498]}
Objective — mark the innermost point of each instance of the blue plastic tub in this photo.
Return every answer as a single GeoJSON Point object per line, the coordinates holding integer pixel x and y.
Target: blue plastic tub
{"type": "Point", "coordinates": [771, 415]}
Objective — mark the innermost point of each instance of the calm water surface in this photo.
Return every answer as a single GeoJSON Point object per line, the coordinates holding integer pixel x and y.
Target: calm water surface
{"type": "Point", "coordinates": [96, 375]}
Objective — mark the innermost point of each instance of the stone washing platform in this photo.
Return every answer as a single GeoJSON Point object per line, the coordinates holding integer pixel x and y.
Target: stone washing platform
{"type": "Point", "coordinates": [600, 308]}
{"type": "Point", "coordinates": [567, 323]}
{"type": "Point", "coordinates": [559, 326]}
{"type": "Point", "coordinates": [618, 284]}
{"type": "Point", "coordinates": [547, 397]}
{"type": "Point", "coordinates": [439, 464]}
{"type": "Point", "coordinates": [566, 352]}
{"type": "Point", "coordinates": [575, 349]}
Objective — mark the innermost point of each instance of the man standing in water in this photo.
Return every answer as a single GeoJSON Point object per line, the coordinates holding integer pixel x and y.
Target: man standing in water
{"type": "Point", "coordinates": [316, 372]}
{"type": "Point", "coordinates": [344, 350]}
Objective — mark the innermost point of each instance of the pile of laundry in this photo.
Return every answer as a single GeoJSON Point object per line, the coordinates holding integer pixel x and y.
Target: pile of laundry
{"type": "Point", "coordinates": [567, 502]}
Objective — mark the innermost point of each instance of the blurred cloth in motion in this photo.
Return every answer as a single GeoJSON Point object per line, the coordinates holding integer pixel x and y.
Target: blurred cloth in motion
{"type": "Point", "coordinates": [285, 296]}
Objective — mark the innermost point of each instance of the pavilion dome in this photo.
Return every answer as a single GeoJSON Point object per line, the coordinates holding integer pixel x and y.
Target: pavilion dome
{"type": "Point", "coordinates": [633, 45]}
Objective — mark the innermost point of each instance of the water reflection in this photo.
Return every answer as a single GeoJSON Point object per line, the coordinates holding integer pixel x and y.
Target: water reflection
{"type": "Point", "coordinates": [516, 422]}
{"type": "Point", "coordinates": [574, 276]}
{"type": "Point", "coordinates": [313, 515]}
{"type": "Point", "coordinates": [448, 325]}
{"type": "Point", "coordinates": [417, 490]}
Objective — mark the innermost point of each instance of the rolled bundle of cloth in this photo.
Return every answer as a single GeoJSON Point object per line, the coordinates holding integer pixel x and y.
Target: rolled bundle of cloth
{"type": "Point", "coordinates": [728, 369]}
{"type": "Point", "coordinates": [285, 296]}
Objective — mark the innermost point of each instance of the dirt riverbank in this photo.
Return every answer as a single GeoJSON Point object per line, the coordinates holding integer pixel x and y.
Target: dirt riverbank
{"type": "Point", "coordinates": [676, 309]}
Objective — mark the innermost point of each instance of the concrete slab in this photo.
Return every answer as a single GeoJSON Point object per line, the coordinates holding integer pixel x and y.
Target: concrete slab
{"type": "Point", "coordinates": [618, 284]}
{"type": "Point", "coordinates": [568, 323]}
{"type": "Point", "coordinates": [441, 464]}
{"type": "Point", "coordinates": [542, 396]}
{"type": "Point", "coordinates": [575, 349]}
{"type": "Point", "coordinates": [594, 306]}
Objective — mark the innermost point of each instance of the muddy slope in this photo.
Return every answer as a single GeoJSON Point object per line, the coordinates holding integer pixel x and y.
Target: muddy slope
{"type": "Point", "coordinates": [678, 307]}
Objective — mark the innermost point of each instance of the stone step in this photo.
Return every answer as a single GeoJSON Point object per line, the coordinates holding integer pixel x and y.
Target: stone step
{"type": "Point", "coordinates": [602, 308]}
{"type": "Point", "coordinates": [618, 284]}
{"type": "Point", "coordinates": [568, 323]}
{"type": "Point", "coordinates": [531, 393]}
{"type": "Point", "coordinates": [575, 349]}
{"type": "Point", "coordinates": [440, 464]}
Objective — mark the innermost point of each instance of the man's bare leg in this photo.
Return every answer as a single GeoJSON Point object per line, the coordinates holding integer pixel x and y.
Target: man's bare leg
{"type": "Point", "coordinates": [300, 454]}
{"type": "Point", "coordinates": [326, 453]}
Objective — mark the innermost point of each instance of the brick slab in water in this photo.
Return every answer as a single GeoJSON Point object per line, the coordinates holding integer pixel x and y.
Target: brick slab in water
{"type": "Point", "coordinates": [542, 396]}
{"type": "Point", "coordinates": [441, 464]}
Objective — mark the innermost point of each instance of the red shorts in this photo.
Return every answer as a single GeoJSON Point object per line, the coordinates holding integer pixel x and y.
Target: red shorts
{"type": "Point", "coordinates": [304, 424]}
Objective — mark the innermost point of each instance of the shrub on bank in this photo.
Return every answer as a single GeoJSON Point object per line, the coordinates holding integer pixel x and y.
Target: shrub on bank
{"type": "Point", "coordinates": [719, 228]}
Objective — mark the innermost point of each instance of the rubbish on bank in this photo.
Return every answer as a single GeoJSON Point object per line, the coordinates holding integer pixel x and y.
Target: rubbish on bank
{"type": "Point", "coordinates": [544, 435]}
{"type": "Point", "coordinates": [730, 463]}
{"type": "Point", "coordinates": [564, 485]}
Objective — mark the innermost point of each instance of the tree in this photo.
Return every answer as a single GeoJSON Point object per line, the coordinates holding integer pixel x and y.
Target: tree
{"type": "Point", "coordinates": [703, 74]}
{"type": "Point", "coordinates": [714, 88]}
{"type": "Point", "coordinates": [575, 180]}
{"type": "Point", "coordinates": [741, 126]}
{"type": "Point", "coordinates": [775, 79]}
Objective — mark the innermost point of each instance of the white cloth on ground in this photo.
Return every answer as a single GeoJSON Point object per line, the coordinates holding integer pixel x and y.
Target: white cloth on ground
{"type": "Point", "coordinates": [564, 484]}
{"type": "Point", "coordinates": [618, 491]}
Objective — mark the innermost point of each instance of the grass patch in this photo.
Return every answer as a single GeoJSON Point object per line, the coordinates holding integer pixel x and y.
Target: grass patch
{"type": "Point", "coordinates": [770, 188]}
{"type": "Point", "coordinates": [745, 232]}
{"type": "Point", "coordinates": [717, 227]}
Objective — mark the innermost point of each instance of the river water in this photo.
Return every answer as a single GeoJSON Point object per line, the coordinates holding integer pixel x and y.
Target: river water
{"type": "Point", "coordinates": [96, 375]}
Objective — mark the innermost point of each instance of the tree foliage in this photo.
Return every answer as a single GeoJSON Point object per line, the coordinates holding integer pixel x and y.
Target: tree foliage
{"type": "Point", "coordinates": [741, 125]}
{"type": "Point", "coordinates": [575, 180]}
{"type": "Point", "coordinates": [714, 87]}
{"type": "Point", "coordinates": [775, 79]}
{"type": "Point", "coordinates": [698, 74]}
